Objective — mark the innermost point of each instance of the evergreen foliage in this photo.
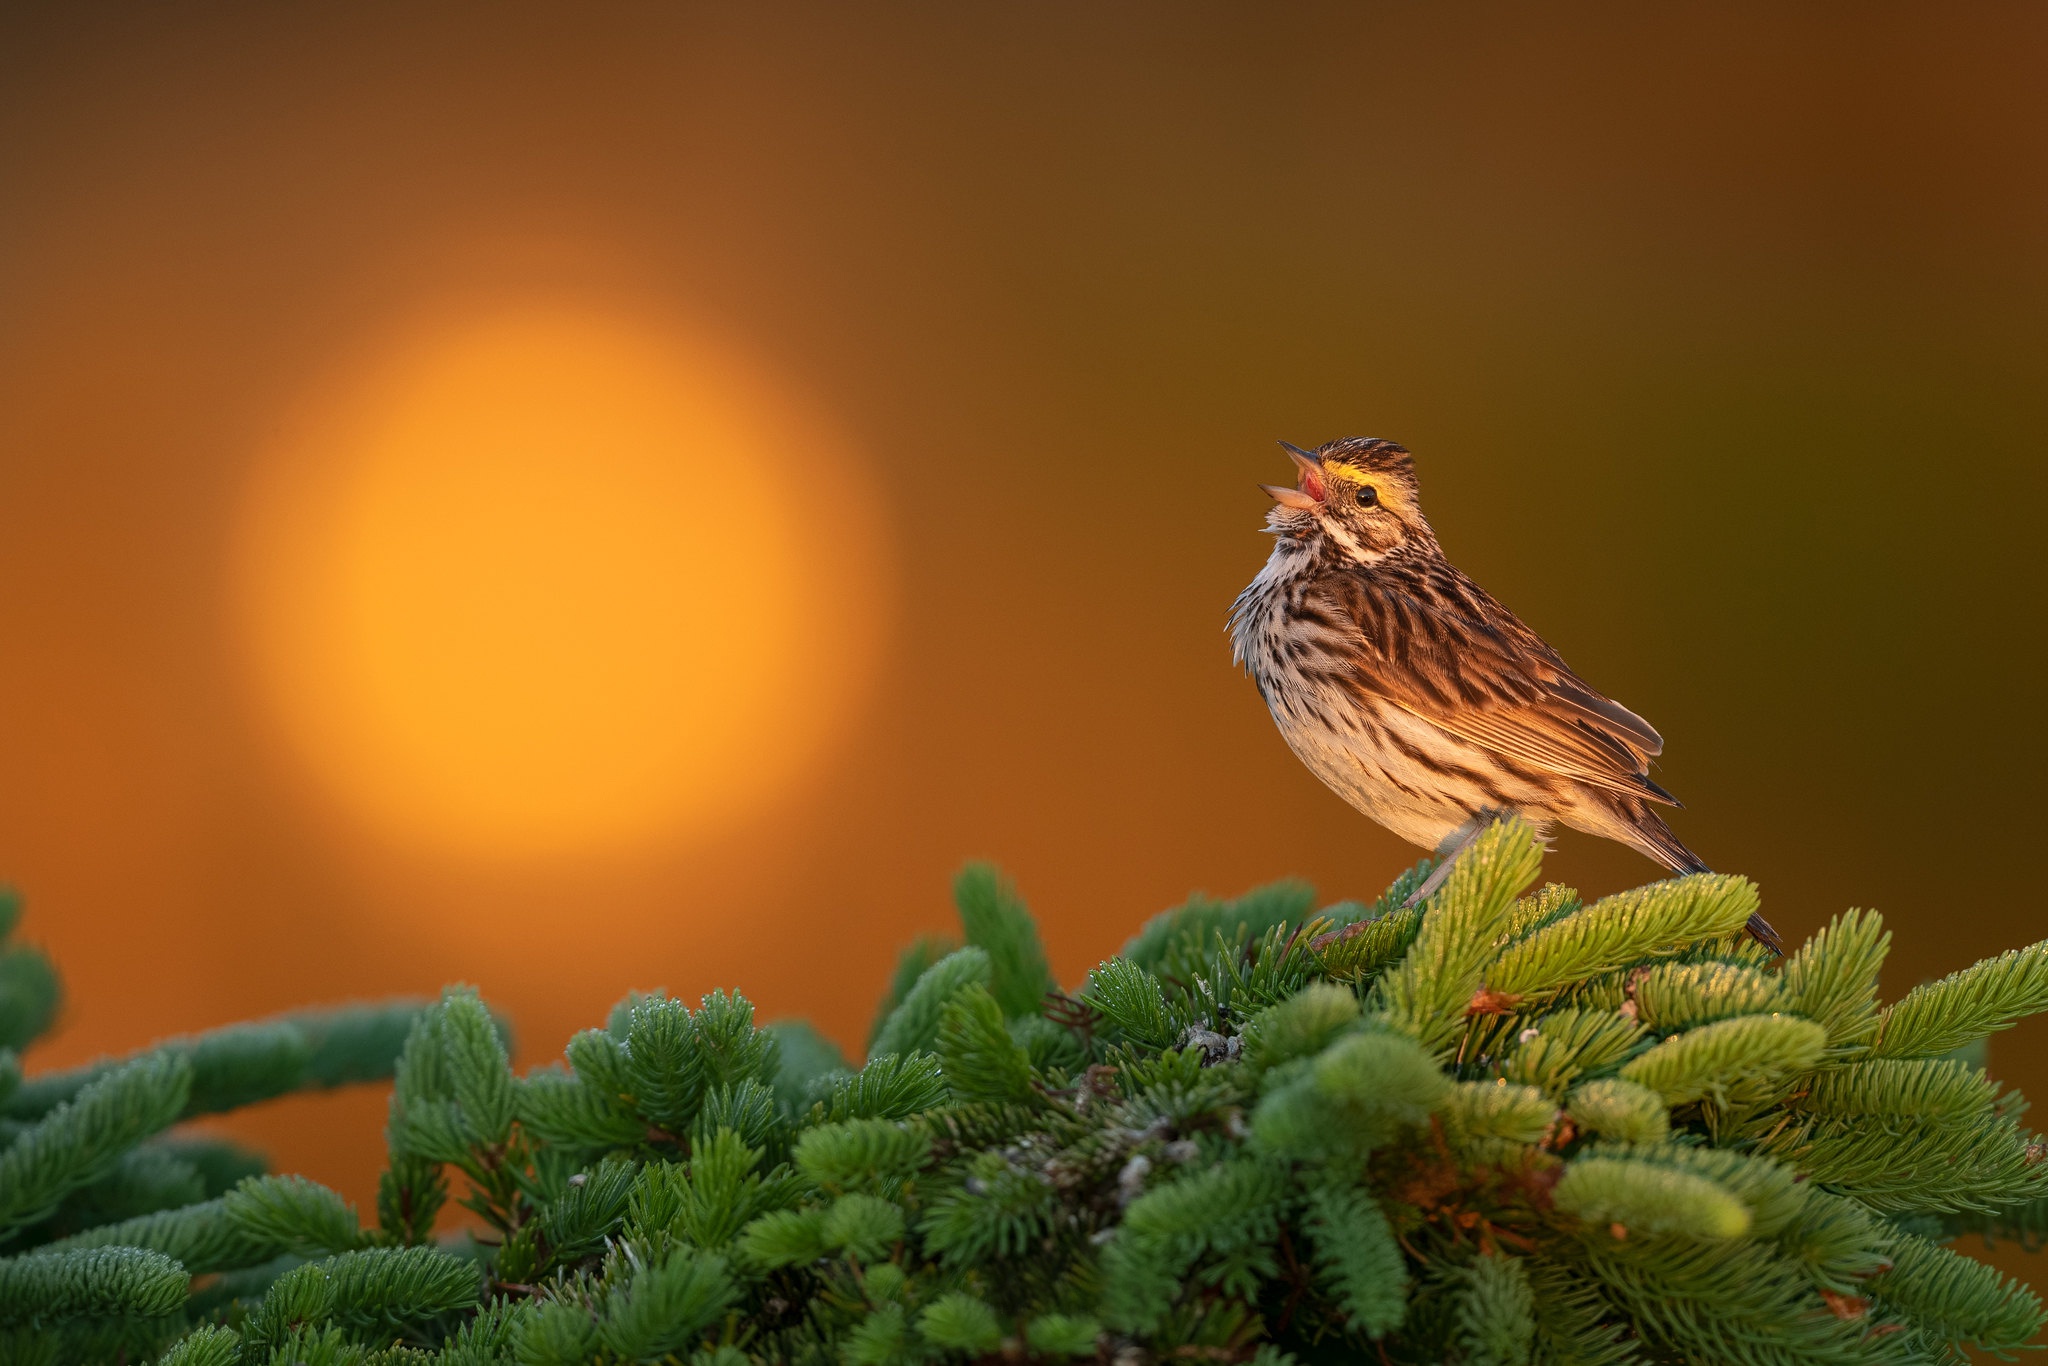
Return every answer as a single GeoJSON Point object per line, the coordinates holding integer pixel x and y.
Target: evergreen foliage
{"type": "Point", "coordinates": [1501, 1129]}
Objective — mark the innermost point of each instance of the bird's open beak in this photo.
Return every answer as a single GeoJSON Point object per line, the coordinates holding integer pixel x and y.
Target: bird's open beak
{"type": "Point", "coordinates": [1310, 493]}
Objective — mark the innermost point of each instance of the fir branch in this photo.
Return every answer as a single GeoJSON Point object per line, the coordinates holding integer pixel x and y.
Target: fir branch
{"type": "Point", "coordinates": [918, 955]}
{"type": "Point", "coordinates": [1904, 1166]}
{"type": "Point", "coordinates": [913, 1026]}
{"type": "Point", "coordinates": [1497, 1110]}
{"type": "Point", "coordinates": [996, 922]}
{"type": "Point", "coordinates": [732, 1051]}
{"type": "Point", "coordinates": [1917, 1088]}
{"type": "Point", "coordinates": [104, 1283]}
{"type": "Point", "coordinates": [1362, 950]}
{"type": "Point", "coordinates": [889, 1087]}
{"type": "Point", "coordinates": [959, 1322]}
{"type": "Point", "coordinates": [1575, 1324]}
{"type": "Point", "coordinates": [864, 1154]}
{"type": "Point", "coordinates": [261, 1219]}
{"type": "Point", "coordinates": [83, 1138]}
{"type": "Point", "coordinates": [1134, 1003]}
{"type": "Point", "coordinates": [206, 1347]}
{"type": "Point", "coordinates": [661, 1305]}
{"type": "Point", "coordinates": [30, 996]}
{"type": "Point", "coordinates": [1557, 1049]}
{"type": "Point", "coordinates": [1496, 1313]}
{"type": "Point", "coordinates": [241, 1064]}
{"type": "Point", "coordinates": [1673, 997]}
{"type": "Point", "coordinates": [981, 1060]}
{"type": "Point", "coordinates": [1623, 1111]}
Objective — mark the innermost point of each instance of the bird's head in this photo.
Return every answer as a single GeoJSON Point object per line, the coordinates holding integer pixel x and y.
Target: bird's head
{"type": "Point", "coordinates": [1359, 494]}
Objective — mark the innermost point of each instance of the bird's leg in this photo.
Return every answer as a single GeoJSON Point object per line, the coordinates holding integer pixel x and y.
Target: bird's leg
{"type": "Point", "coordinates": [1447, 855]}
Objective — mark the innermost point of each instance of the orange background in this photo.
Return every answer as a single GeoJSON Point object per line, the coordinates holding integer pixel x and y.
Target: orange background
{"type": "Point", "coordinates": [1718, 334]}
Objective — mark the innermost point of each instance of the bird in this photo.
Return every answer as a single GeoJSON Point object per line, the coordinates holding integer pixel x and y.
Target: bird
{"type": "Point", "coordinates": [1416, 696]}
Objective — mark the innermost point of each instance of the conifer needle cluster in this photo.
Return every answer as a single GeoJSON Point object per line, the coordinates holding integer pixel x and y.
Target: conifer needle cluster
{"type": "Point", "coordinates": [1502, 1128]}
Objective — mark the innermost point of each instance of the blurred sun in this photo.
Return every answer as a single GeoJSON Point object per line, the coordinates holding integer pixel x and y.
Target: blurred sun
{"type": "Point", "coordinates": [551, 581]}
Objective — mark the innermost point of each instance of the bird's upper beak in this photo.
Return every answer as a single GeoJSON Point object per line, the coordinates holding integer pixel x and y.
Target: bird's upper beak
{"type": "Point", "coordinates": [1311, 492]}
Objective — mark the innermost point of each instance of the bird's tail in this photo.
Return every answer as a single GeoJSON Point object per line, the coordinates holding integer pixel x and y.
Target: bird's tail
{"type": "Point", "coordinates": [1654, 837]}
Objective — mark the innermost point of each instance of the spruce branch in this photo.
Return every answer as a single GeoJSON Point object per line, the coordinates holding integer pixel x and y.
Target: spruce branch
{"type": "Point", "coordinates": [1952, 1298]}
{"type": "Point", "coordinates": [1984, 998]}
{"type": "Point", "coordinates": [1425, 996]}
{"type": "Point", "coordinates": [1497, 1313]}
{"type": "Point", "coordinates": [1357, 1257]}
{"type": "Point", "coordinates": [1505, 1128]}
{"type": "Point", "coordinates": [1832, 978]}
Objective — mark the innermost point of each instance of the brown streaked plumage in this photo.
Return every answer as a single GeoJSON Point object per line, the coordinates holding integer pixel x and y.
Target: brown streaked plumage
{"type": "Point", "coordinates": [1413, 694]}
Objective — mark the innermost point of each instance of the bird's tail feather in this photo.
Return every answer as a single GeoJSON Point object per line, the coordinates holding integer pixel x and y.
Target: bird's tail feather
{"type": "Point", "coordinates": [1654, 837]}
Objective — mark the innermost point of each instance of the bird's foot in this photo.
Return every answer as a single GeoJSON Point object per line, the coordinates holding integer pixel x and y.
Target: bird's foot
{"type": "Point", "coordinates": [1447, 855]}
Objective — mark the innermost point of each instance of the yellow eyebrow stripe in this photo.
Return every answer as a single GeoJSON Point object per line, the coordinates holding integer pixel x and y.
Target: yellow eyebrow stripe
{"type": "Point", "coordinates": [1388, 493]}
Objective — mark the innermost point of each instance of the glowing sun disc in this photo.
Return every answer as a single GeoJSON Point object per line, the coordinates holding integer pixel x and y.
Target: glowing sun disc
{"type": "Point", "coordinates": [552, 581]}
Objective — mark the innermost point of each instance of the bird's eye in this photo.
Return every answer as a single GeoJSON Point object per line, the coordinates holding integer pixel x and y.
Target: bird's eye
{"type": "Point", "coordinates": [1367, 495]}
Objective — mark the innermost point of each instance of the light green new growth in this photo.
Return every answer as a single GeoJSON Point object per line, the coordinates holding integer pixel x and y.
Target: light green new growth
{"type": "Point", "coordinates": [1649, 1197]}
{"type": "Point", "coordinates": [1747, 1057]}
{"type": "Point", "coordinates": [1623, 1111]}
{"type": "Point", "coordinates": [1671, 997]}
{"type": "Point", "coordinates": [1618, 931]}
{"type": "Point", "coordinates": [1426, 995]}
{"type": "Point", "coordinates": [1497, 1110]}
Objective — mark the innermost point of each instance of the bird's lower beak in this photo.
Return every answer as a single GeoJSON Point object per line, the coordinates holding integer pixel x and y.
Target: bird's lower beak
{"type": "Point", "coordinates": [1289, 498]}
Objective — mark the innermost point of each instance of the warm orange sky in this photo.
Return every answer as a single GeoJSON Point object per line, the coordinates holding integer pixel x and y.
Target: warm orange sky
{"type": "Point", "coordinates": [1717, 333]}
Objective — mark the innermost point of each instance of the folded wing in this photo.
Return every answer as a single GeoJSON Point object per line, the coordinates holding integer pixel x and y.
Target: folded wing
{"type": "Point", "coordinates": [1437, 646]}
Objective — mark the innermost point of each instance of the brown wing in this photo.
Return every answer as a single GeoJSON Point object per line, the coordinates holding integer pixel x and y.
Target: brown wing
{"type": "Point", "coordinates": [1435, 644]}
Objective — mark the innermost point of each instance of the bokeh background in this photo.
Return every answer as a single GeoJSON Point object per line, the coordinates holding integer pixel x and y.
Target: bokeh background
{"type": "Point", "coordinates": [362, 632]}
